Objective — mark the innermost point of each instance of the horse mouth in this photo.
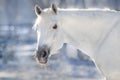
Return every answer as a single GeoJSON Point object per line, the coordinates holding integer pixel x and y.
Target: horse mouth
{"type": "Point", "coordinates": [41, 60]}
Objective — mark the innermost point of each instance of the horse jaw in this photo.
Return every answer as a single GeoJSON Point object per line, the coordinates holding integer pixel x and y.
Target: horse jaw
{"type": "Point", "coordinates": [58, 43]}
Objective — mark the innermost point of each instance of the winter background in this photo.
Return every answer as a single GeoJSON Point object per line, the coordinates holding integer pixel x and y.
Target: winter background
{"type": "Point", "coordinates": [18, 42]}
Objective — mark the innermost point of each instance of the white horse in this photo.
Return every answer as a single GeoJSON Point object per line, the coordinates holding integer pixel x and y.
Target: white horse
{"type": "Point", "coordinates": [95, 32]}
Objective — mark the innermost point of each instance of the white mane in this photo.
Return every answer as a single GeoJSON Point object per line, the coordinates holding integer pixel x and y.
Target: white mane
{"type": "Point", "coordinates": [88, 9]}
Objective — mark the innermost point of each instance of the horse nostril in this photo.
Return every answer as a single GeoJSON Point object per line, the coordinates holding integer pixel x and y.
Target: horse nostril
{"type": "Point", "coordinates": [43, 54]}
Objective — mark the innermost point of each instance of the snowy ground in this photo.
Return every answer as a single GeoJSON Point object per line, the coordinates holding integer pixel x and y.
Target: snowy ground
{"type": "Point", "coordinates": [17, 61]}
{"type": "Point", "coordinates": [60, 67]}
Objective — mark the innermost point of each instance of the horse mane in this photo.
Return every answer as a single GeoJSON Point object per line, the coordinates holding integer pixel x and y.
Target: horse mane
{"type": "Point", "coordinates": [88, 9]}
{"type": "Point", "coordinates": [36, 23]}
{"type": "Point", "coordinates": [80, 9]}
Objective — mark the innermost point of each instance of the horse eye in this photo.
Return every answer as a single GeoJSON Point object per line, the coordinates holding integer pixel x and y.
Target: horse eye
{"type": "Point", "coordinates": [55, 26]}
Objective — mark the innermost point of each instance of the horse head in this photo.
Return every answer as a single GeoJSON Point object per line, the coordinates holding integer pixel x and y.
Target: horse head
{"type": "Point", "coordinates": [48, 32]}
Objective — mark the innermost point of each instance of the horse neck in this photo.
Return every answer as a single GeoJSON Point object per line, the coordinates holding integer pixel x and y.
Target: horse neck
{"type": "Point", "coordinates": [87, 29]}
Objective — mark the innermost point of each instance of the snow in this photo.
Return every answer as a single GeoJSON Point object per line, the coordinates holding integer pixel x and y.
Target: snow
{"type": "Point", "coordinates": [59, 66]}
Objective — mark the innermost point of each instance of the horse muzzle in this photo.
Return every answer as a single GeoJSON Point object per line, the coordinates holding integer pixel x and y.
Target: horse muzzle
{"type": "Point", "coordinates": [42, 54]}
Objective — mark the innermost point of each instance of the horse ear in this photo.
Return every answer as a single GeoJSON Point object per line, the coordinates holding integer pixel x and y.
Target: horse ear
{"type": "Point", "coordinates": [54, 8]}
{"type": "Point", "coordinates": [38, 10]}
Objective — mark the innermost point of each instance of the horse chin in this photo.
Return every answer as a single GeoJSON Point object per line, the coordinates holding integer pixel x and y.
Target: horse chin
{"type": "Point", "coordinates": [42, 61]}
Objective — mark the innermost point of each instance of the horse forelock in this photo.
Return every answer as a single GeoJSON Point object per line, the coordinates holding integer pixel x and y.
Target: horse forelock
{"type": "Point", "coordinates": [37, 22]}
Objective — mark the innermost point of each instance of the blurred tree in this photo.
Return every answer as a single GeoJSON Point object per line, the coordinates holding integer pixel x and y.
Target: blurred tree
{"type": "Point", "coordinates": [11, 10]}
